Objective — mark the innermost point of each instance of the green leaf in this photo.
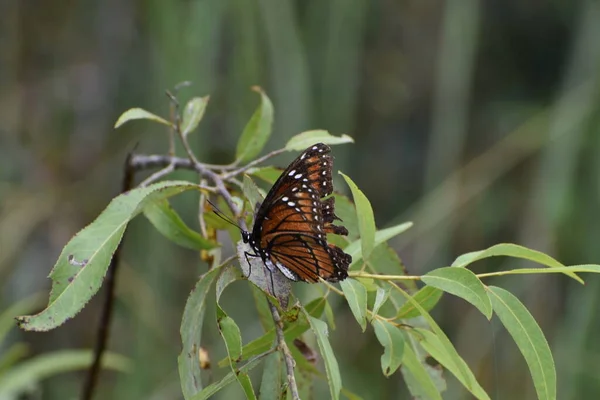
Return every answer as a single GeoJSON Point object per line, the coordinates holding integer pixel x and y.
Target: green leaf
{"type": "Point", "coordinates": [302, 140]}
{"type": "Point", "coordinates": [392, 341]}
{"type": "Point", "coordinates": [383, 235]}
{"type": "Point", "coordinates": [191, 334]}
{"type": "Point", "coordinates": [257, 130]}
{"type": "Point", "coordinates": [192, 114]}
{"type": "Point", "coordinates": [424, 386]}
{"type": "Point", "coordinates": [331, 366]}
{"type": "Point", "coordinates": [529, 338]}
{"type": "Point", "coordinates": [380, 298]}
{"type": "Point", "coordinates": [26, 374]}
{"type": "Point", "coordinates": [316, 307]}
{"type": "Point", "coordinates": [267, 174]}
{"type": "Point", "coordinates": [270, 387]}
{"type": "Point", "coordinates": [511, 250]}
{"type": "Point", "coordinates": [356, 295]}
{"type": "Point", "coordinates": [435, 346]}
{"type": "Point", "coordinates": [213, 388]}
{"type": "Point", "coordinates": [427, 297]}
{"type": "Point", "coordinates": [251, 192]}
{"type": "Point", "coordinates": [452, 358]}
{"type": "Point", "coordinates": [169, 224]}
{"type": "Point", "coordinates": [139, 113]}
{"type": "Point", "coordinates": [74, 285]}
{"type": "Point", "coordinates": [229, 330]}
{"type": "Point", "coordinates": [366, 220]}
{"type": "Point", "coordinates": [462, 283]}
{"type": "Point", "coordinates": [345, 209]}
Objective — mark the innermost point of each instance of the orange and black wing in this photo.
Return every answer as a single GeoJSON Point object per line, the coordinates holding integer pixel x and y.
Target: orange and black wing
{"type": "Point", "coordinates": [292, 223]}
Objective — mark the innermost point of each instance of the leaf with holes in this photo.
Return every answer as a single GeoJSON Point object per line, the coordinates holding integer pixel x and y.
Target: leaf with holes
{"type": "Point", "coordinates": [511, 250]}
{"type": "Point", "coordinates": [257, 130]}
{"type": "Point", "coordinates": [356, 295]}
{"type": "Point", "coordinates": [529, 338]}
{"type": "Point", "coordinates": [192, 114]}
{"type": "Point", "coordinates": [462, 283]}
{"type": "Point", "coordinates": [308, 138]}
{"type": "Point", "coordinates": [74, 284]}
{"type": "Point", "coordinates": [139, 113]}
{"type": "Point", "coordinates": [392, 341]}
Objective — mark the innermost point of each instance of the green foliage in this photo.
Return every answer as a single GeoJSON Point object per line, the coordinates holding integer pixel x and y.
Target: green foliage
{"type": "Point", "coordinates": [400, 317]}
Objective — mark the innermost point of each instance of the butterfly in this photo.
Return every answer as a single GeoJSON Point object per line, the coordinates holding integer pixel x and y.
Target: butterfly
{"type": "Point", "coordinates": [291, 225]}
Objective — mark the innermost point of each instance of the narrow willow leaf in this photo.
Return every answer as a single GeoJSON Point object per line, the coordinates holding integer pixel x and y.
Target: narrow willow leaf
{"type": "Point", "coordinates": [191, 334]}
{"type": "Point", "coordinates": [345, 209]}
{"type": "Point", "coordinates": [383, 235]}
{"type": "Point", "coordinates": [262, 307]}
{"type": "Point", "coordinates": [380, 298]}
{"type": "Point", "coordinates": [231, 336]}
{"type": "Point", "coordinates": [169, 224]}
{"type": "Point", "coordinates": [462, 372]}
{"type": "Point", "coordinates": [427, 297]}
{"type": "Point", "coordinates": [424, 386]}
{"type": "Point", "coordinates": [139, 113]}
{"type": "Point", "coordinates": [213, 388]}
{"type": "Point", "coordinates": [192, 114]}
{"type": "Point", "coordinates": [22, 377]}
{"type": "Point", "coordinates": [270, 387]}
{"type": "Point", "coordinates": [257, 130]}
{"type": "Point", "coordinates": [511, 250]}
{"type": "Point", "coordinates": [434, 345]}
{"type": "Point", "coordinates": [529, 338]}
{"type": "Point", "coordinates": [356, 295]}
{"type": "Point", "coordinates": [392, 341]}
{"type": "Point", "coordinates": [251, 192]}
{"type": "Point", "coordinates": [74, 285]}
{"type": "Point", "coordinates": [302, 140]}
{"type": "Point", "coordinates": [462, 283]}
{"type": "Point", "coordinates": [316, 307]}
{"type": "Point", "coordinates": [329, 315]}
{"type": "Point", "coordinates": [229, 330]}
{"type": "Point", "coordinates": [366, 220]}
{"type": "Point", "coordinates": [331, 366]}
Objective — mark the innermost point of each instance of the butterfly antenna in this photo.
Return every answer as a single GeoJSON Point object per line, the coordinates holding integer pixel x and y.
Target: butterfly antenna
{"type": "Point", "coordinates": [221, 215]}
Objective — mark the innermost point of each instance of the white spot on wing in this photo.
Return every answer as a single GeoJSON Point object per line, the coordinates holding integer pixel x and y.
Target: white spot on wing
{"type": "Point", "coordinates": [287, 272]}
{"type": "Point", "coordinates": [291, 203]}
{"type": "Point", "coordinates": [292, 172]}
{"type": "Point", "coordinates": [314, 147]}
{"type": "Point", "coordinates": [285, 198]}
{"type": "Point", "coordinates": [298, 176]}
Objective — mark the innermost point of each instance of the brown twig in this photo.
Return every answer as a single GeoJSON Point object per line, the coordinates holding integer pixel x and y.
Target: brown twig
{"type": "Point", "coordinates": [107, 307]}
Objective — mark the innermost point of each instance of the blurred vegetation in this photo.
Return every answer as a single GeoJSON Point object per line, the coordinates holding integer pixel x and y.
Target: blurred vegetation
{"type": "Point", "coordinates": [476, 120]}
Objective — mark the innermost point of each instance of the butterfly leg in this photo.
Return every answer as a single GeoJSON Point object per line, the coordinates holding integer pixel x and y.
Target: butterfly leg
{"type": "Point", "coordinates": [246, 255]}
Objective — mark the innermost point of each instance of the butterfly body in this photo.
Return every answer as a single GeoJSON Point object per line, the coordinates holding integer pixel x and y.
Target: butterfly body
{"type": "Point", "coordinates": [291, 225]}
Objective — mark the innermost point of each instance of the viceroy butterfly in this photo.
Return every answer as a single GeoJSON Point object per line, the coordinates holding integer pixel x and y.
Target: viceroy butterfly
{"type": "Point", "coordinates": [291, 225]}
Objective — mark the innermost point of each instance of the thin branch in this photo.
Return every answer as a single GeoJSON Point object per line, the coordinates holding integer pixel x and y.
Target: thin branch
{"type": "Point", "coordinates": [158, 174]}
{"type": "Point", "coordinates": [290, 363]}
{"type": "Point", "coordinates": [107, 307]}
{"type": "Point", "coordinates": [385, 277]}
{"type": "Point", "coordinates": [252, 164]}
{"type": "Point", "coordinates": [186, 145]}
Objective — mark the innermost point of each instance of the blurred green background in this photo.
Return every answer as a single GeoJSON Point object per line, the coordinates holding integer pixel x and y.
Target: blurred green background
{"type": "Point", "coordinates": [476, 120]}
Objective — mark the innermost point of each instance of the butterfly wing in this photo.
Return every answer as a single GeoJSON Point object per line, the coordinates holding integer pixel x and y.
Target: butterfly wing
{"type": "Point", "coordinates": [292, 223]}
